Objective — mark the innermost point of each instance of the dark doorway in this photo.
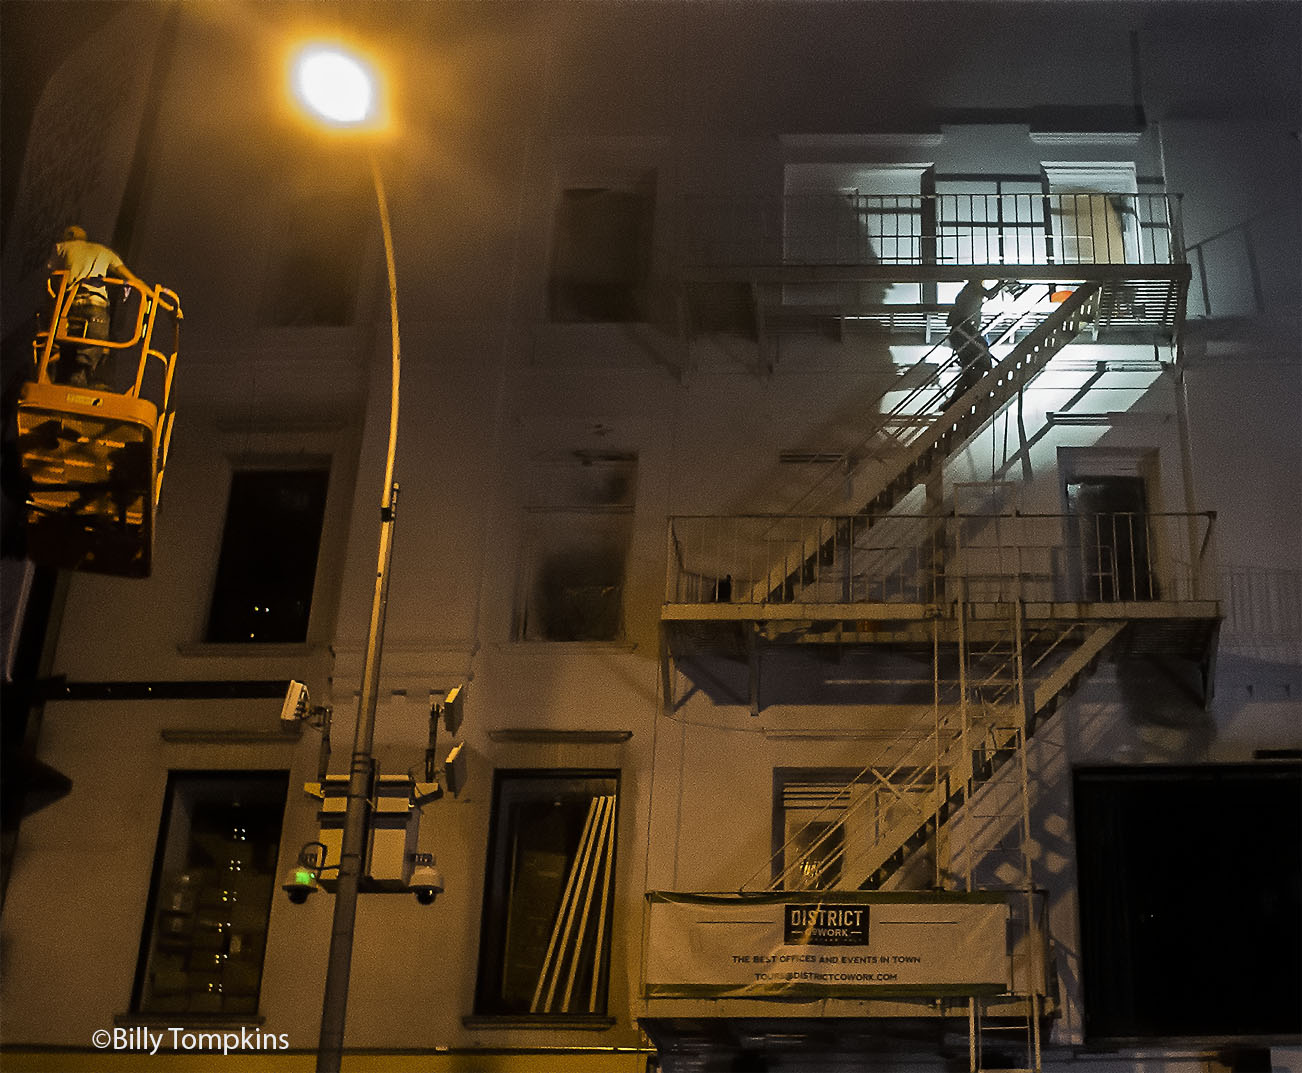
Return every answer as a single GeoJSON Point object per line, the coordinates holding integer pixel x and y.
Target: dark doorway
{"type": "Point", "coordinates": [1112, 547]}
{"type": "Point", "coordinates": [1190, 901]}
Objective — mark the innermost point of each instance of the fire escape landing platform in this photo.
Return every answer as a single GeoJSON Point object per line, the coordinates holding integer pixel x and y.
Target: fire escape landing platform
{"type": "Point", "coordinates": [855, 264]}
{"type": "Point", "coordinates": [1137, 585]}
{"type": "Point", "coordinates": [1183, 629]}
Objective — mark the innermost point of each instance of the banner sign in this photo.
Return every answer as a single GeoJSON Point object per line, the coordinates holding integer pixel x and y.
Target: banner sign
{"type": "Point", "coordinates": [826, 944]}
{"type": "Point", "coordinates": [826, 925]}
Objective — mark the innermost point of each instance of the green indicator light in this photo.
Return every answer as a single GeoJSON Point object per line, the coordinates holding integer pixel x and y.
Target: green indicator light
{"type": "Point", "coordinates": [304, 877]}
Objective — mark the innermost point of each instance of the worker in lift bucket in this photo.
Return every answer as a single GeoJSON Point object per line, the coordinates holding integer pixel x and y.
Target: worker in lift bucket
{"type": "Point", "coordinates": [82, 364]}
{"type": "Point", "coordinates": [965, 337]}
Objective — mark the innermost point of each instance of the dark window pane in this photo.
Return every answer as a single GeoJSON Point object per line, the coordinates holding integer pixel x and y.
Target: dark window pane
{"type": "Point", "coordinates": [1112, 538]}
{"type": "Point", "coordinates": [602, 255]}
{"type": "Point", "coordinates": [545, 943]}
{"type": "Point", "coordinates": [1190, 900]}
{"type": "Point", "coordinates": [268, 556]}
{"type": "Point", "coordinates": [579, 529]}
{"type": "Point", "coordinates": [578, 594]}
{"type": "Point", "coordinates": [316, 281]}
{"type": "Point", "coordinates": [211, 895]}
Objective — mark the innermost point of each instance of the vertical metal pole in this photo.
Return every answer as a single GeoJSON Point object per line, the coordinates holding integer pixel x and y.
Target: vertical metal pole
{"type": "Point", "coordinates": [607, 881]}
{"type": "Point", "coordinates": [323, 753]}
{"type": "Point", "coordinates": [1034, 953]}
{"type": "Point", "coordinates": [938, 796]}
{"type": "Point", "coordinates": [965, 769]}
{"type": "Point", "coordinates": [334, 1004]}
{"type": "Point", "coordinates": [58, 310]}
{"type": "Point", "coordinates": [1179, 384]}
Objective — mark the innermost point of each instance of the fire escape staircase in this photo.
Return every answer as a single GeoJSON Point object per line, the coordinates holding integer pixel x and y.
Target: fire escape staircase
{"type": "Point", "coordinates": [936, 774]}
{"type": "Point", "coordinates": [924, 456]}
{"type": "Point", "coordinates": [969, 748]}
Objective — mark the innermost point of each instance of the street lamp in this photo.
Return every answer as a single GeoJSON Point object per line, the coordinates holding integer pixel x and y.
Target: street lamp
{"type": "Point", "coordinates": [335, 86]}
{"type": "Point", "coordinates": [340, 89]}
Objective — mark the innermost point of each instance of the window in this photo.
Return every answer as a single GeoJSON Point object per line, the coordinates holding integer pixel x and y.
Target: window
{"type": "Point", "coordinates": [601, 259]}
{"type": "Point", "coordinates": [828, 823]}
{"type": "Point", "coordinates": [853, 213]}
{"type": "Point", "coordinates": [579, 524]}
{"type": "Point", "coordinates": [214, 873]}
{"type": "Point", "coordinates": [861, 214]}
{"type": "Point", "coordinates": [548, 894]}
{"type": "Point", "coordinates": [315, 282]}
{"type": "Point", "coordinates": [1094, 209]}
{"type": "Point", "coordinates": [1190, 887]}
{"type": "Point", "coordinates": [267, 567]}
{"type": "Point", "coordinates": [982, 219]}
{"type": "Point", "coordinates": [1113, 543]}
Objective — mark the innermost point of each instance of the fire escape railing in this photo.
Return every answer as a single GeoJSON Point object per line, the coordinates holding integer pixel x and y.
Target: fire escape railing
{"type": "Point", "coordinates": [933, 229]}
{"type": "Point", "coordinates": [1246, 270]}
{"type": "Point", "coordinates": [938, 558]}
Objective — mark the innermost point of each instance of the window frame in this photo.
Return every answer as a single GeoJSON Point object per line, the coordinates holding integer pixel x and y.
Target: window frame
{"type": "Point", "coordinates": [983, 213]}
{"type": "Point", "coordinates": [830, 783]}
{"type": "Point", "coordinates": [552, 506]}
{"type": "Point", "coordinates": [304, 220]}
{"type": "Point", "coordinates": [857, 200]}
{"type": "Point", "coordinates": [269, 780]}
{"type": "Point", "coordinates": [1097, 465]}
{"type": "Point", "coordinates": [312, 463]}
{"type": "Point", "coordinates": [567, 272]}
{"type": "Point", "coordinates": [491, 965]}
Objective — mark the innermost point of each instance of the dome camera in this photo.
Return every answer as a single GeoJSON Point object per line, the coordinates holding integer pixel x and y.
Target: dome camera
{"type": "Point", "coordinates": [299, 883]}
{"type": "Point", "coordinates": [426, 880]}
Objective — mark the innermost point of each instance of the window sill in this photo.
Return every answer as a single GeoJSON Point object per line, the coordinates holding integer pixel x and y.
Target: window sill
{"type": "Point", "coordinates": [190, 1020]}
{"type": "Point", "coordinates": [590, 1023]}
{"type": "Point", "coordinates": [526, 644]}
{"type": "Point", "coordinates": [260, 650]}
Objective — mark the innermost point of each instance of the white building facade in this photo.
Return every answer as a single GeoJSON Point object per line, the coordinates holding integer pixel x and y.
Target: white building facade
{"type": "Point", "coordinates": [781, 617]}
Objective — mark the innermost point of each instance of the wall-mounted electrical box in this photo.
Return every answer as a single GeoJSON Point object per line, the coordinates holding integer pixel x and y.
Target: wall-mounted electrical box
{"type": "Point", "coordinates": [394, 829]}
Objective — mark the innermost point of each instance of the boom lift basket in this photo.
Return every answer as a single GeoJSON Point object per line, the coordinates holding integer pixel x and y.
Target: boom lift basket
{"type": "Point", "coordinates": [93, 457]}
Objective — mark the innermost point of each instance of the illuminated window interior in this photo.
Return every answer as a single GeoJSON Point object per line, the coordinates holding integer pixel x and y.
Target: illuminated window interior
{"type": "Point", "coordinates": [214, 875]}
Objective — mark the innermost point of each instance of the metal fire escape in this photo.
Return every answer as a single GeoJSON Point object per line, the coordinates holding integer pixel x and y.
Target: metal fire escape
{"type": "Point", "coordinates": [1014, 609]}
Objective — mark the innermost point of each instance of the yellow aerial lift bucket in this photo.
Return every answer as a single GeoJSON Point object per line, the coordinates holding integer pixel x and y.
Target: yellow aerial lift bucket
{"type": "Point", "coordinates": [93, 455]}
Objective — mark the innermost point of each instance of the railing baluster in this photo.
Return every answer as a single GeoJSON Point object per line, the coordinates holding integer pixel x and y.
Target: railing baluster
{"type": "Point", "coordinates": [1112, 556]}
{"type": "Point", "coordinates": [955, 228]}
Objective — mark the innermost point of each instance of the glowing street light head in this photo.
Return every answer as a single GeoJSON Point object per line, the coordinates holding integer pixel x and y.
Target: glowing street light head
{"type": "Point", "coordinates": [335, 86]}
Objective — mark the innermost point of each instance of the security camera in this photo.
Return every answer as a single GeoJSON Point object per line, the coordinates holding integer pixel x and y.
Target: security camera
{"type": "Point", "coordinates": [296, 701]}
{"type": "Point", "coordinates": [426, 880]}
{"type": "Point", "coordinates": [454, 708]}
{"type": "Point", "coordinates": [454, 769]}
{"type": "Point", "coordinates": [300, 882]}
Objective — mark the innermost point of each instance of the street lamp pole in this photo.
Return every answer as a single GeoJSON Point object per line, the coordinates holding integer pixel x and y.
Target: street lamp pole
{"type": "Point", "coordinates": [357, 814]}
{"type": "Point", "coordinates": [338, 88]}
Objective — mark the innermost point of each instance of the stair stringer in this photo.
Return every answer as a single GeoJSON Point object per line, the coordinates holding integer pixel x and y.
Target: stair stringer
{"type": "Point", "coordinates": [967, 777]}
{"type": "Point", "coordinates": [912, 832]}
{"type": "Point", "coordinates": [951, 432]}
